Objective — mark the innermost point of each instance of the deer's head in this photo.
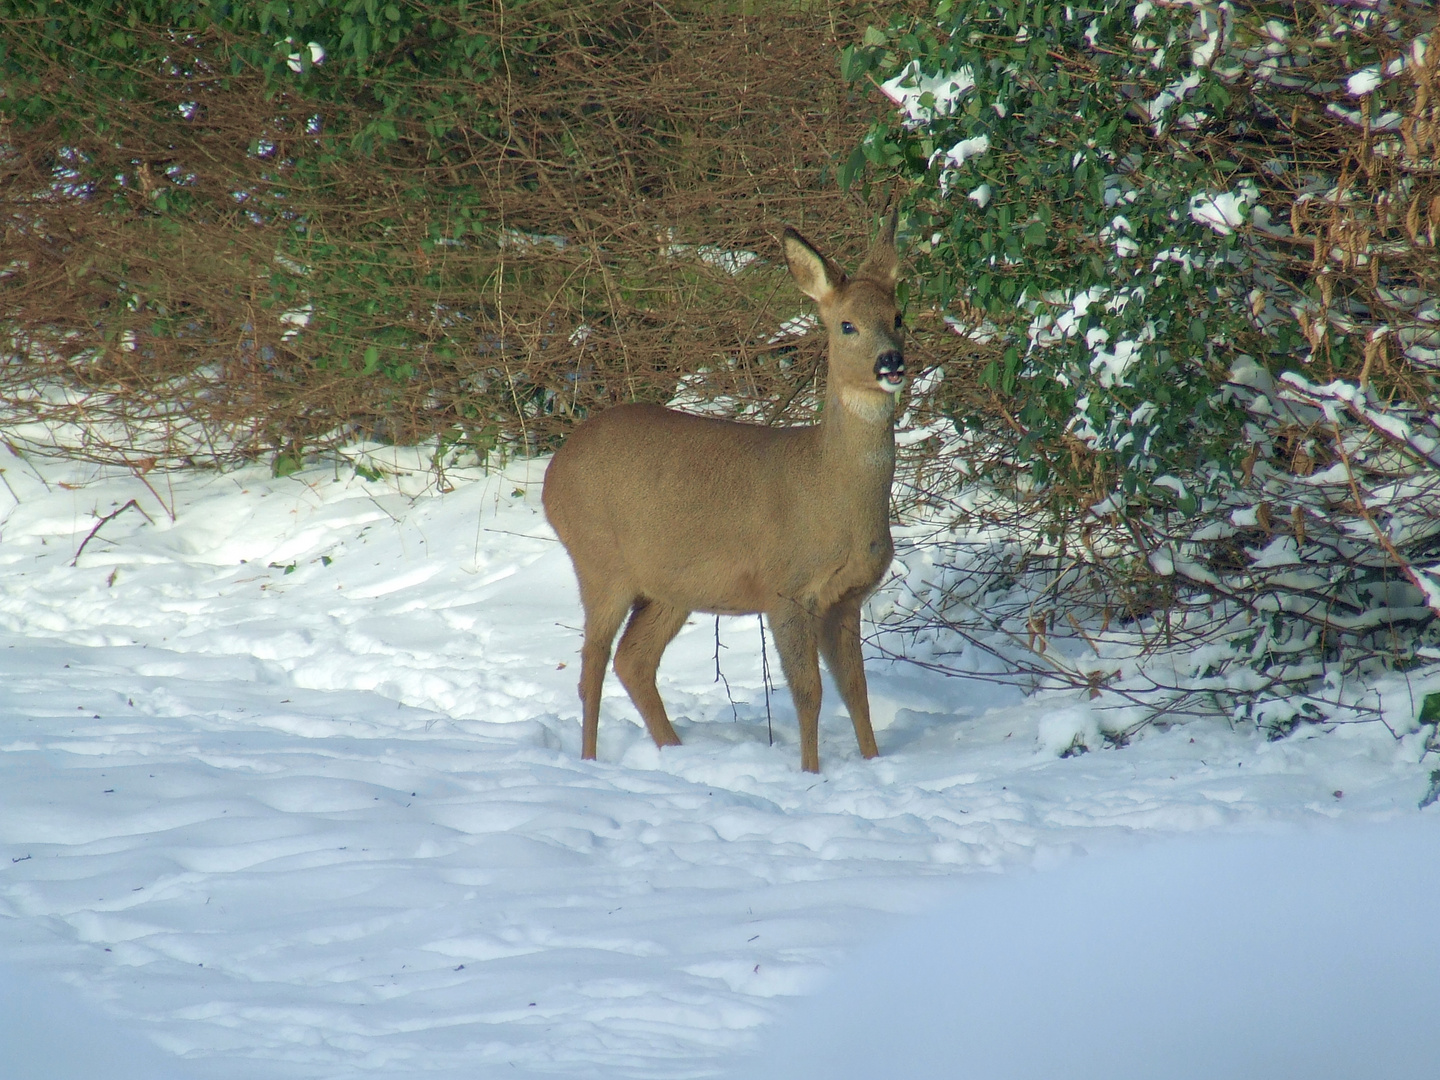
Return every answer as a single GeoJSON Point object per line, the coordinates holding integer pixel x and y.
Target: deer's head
{"type": "Point", "coordinates": [859, 313]}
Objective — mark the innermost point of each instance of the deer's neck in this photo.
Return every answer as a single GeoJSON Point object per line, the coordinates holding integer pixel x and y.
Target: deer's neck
{"type": "Point", "coordinates": [857, 442]}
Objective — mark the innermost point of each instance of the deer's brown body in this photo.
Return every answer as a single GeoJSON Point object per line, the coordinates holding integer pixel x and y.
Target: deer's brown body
{"type": "Point", "coordinates": [665, 513]}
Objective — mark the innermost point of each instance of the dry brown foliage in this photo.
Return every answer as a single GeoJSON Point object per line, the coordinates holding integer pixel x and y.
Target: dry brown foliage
{"type": "Point", "coordinates": [563, 246]}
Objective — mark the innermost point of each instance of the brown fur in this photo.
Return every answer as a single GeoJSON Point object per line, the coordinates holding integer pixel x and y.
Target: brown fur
{"type": "Point", "coordinates": [664, 513]}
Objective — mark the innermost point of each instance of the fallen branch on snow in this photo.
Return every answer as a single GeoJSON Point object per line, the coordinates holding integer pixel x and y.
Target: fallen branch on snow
{"type": "Point", "coordinates": [101, 523]}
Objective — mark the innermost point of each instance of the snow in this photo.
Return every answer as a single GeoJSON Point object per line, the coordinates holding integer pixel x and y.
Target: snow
{"type": "Point", "coordinates": [956, 157]}
{"type": "Point", "coordinates": [909, 88]}
{"type": "Point", "coordinates": [48, 1032]}
{"type": "Point", "coordinates": [1224, 212]}
{"type": "Point", "coordinates": [1363, 81]}
{"type": "Point", "coordinates": [1289, 955]}
{"type": "Point", "coordinates": [1217, 23]}
{"type": "Point", "coordinates": [1111, 365]}
{"type": "Point", "coordinates": [1171, 96]}
{"type": "Point", "coordinates": [1387, 121]}
{"type": "Point", "coordinates": [295, 60]}
{"type": "Point", "coordinates": [966, 149]}
{"type": "Point", "coordinates": [795, 326]}
{"type": "Point", "coordinates": [290, 788]}
{"type": "Point", "coordinates": [731, 262]}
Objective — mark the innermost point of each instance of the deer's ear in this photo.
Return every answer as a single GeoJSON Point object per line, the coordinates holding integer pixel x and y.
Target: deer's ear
{"type": "Point", "coordinates": [817, 276]}
{"type": "Point", "coordinates": [883, 264]}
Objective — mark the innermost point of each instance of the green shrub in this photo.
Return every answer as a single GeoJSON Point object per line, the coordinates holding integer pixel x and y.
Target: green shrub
{"type": "Point", "coordinates": [1074, 232]}
{"type": "Point", "coordinates": [1200, 240]}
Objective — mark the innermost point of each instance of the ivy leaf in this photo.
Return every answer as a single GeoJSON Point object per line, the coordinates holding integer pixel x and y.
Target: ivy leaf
{"type": "Point", "coordinates": [1430, 709]}
{"type": "Point", "coordinates": [854, 62]}
{"type": "Point", "coordinates": [853, 167]}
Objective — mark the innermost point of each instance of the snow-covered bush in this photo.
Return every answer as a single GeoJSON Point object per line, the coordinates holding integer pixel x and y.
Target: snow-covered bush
{"type": "Point", "coordinates": [1199, 240]}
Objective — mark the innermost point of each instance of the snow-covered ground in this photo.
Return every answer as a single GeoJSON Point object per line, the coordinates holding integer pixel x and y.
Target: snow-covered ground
{"type": "Point", "coordinates": [290, 787]}
{"type": "Point", "coordinates": [1304, 955]}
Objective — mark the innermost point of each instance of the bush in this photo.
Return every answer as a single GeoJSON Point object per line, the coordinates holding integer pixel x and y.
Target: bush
{"type": "Point", "coordinates": [1199, 240]}
{"type": "Point", "coordinates": [471, 221]}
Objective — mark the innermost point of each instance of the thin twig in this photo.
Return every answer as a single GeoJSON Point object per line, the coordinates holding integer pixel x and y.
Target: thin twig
{"type": "Point", "coordinates": [109, 517]}
{"type": "Point", "coordinates": [140, 471]}
{"type": "Point", "coordinates": [765, 672]}
{"type": "Point", "coordinates": [6, 481]}
{"type": "Point", "coordinates": [720, 675]}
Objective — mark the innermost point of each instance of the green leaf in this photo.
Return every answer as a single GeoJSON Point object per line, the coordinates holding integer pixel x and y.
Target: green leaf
{"type": "Point", "coordinates": [1430, 709]}
{"type": "Point", "coordinates": [287, 464]}
{"type": "Point", "coordinates": [1012, 366]}
{"type": "Point", "coordinates": [854, 63]}
{"type": "Point", "coordinates": [854, 166]}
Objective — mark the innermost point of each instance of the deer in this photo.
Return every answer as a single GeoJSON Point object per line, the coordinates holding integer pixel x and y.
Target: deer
{"type": "Point", "coordinates": [665, 513]}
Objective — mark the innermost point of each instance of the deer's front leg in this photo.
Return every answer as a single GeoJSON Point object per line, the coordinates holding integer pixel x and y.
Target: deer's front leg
{"type": "Point", "coordinates": [840, 645]}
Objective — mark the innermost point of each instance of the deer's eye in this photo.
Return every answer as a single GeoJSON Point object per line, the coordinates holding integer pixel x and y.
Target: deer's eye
{"type": "Point", "coordinates": [847, 328]}
{"type": "Point", "coordinates": [899, 322]}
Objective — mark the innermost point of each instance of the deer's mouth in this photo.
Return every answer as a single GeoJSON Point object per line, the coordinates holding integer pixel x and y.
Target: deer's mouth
{"type": "Point", "coordinates": [890, 371]}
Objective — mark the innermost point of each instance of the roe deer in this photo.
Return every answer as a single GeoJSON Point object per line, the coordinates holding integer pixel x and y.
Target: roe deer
{"type": "Point", "coordinates": [664, 513]}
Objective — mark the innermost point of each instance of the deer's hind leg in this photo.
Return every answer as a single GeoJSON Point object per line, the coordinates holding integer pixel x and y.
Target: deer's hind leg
{"type": "Point", "coordinates": [840, 645]}
{"type": "Point", "coordinates": [604, 612]}
{"type": "Point", "coordinates": [653, 625]}
{"type": "Point", "coordinates": [794, 631]}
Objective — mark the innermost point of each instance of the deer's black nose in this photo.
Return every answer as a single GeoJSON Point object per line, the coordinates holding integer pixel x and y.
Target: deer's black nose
{"type": "Point", "coordinates": [890, 366]}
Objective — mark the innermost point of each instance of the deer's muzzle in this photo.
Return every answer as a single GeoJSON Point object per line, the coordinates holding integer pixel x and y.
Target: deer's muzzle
{"type": "Point", "coordinates": [890, 370]}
